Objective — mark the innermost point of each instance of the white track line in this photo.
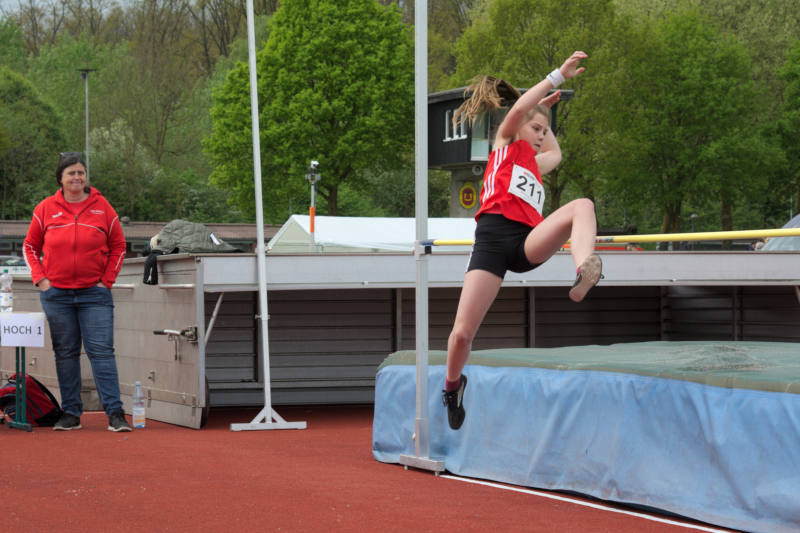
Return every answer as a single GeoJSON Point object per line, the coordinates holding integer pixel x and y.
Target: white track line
{"type": "Point", "coordinates": [584, 503]}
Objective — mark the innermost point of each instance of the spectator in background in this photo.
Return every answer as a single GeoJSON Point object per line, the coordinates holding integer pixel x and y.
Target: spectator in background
{"type": "Point", "coordinates": [74, 248]}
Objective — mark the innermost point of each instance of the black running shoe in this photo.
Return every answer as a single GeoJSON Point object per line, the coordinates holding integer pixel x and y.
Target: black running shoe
{"type": "Point", "coordinates": [117, 422]}
{"type": "Point", "coordinates": [455, 404]}
{"type": "Point", "coordinates": [67, 422]}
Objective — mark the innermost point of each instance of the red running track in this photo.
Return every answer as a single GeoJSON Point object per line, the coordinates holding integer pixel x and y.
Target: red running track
{"type": "Point", "coordinates": [172, 479]}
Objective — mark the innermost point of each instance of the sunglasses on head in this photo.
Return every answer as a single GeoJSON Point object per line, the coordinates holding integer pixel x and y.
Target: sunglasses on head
{"type": "Point", "coordinates": [71, 154]}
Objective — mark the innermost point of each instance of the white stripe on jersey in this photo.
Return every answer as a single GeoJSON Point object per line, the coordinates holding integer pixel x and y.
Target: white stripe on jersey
{"type": "Point", "coordinates": [498, 156]}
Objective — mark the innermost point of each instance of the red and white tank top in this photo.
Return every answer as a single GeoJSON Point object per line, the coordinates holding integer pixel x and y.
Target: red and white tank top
{"type": "Point", "coordinates": [512, 184]}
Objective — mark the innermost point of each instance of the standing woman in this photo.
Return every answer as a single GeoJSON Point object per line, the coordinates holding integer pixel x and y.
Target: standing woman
{"type": "Point", "coordinates": [511, 232]}
{"type": "Point", "coordinates": [77, 235]}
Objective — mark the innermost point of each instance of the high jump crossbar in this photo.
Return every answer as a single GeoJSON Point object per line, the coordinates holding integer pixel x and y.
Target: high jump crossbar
{"type": "Point", "coordinates": [661, 237]}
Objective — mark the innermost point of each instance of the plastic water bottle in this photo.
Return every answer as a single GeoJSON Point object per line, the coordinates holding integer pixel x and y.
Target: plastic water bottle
{"type": "Point", "coordinates": [6, 296]}
{"type": "Point", "coordinates": [138, 406]}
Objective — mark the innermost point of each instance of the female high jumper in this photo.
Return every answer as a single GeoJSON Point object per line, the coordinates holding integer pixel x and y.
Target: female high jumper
{"type": "Point", "coordinates": [511, 232]}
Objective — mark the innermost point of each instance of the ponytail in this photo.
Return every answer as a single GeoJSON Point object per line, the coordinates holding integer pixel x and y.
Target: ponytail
{"type": "Point", "coordinates": [486, 94]}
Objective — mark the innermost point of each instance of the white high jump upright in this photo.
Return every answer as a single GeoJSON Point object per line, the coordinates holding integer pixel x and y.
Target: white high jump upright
{"type": "Point", "coordinates": [267, 418]}
{"type": "Point", "coordinates": [421, 458]}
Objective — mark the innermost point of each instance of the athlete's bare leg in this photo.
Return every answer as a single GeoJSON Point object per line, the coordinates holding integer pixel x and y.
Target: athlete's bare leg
{"type": "Point", "coordinates": [479, 291]}
{"type": "Point", "coordinates": [574, 221]}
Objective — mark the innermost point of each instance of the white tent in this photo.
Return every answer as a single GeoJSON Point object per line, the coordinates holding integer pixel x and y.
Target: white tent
{"type": "Point", "coordinates": [364, 234]}
{"type": "Point", "coordinates": [785, 243]}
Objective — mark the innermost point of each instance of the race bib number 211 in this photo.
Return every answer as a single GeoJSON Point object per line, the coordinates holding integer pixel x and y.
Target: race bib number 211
{"type": "Point", "coordinates": [525, 185]}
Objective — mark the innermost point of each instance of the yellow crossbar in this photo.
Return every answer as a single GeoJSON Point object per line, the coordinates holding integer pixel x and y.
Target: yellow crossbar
{"type": "Point", "coordinates": [668, 237]}
{"type": "Point", "coordinates": [705, 236]}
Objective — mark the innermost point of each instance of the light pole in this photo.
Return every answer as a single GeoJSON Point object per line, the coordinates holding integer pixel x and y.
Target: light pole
{"type": "Point", "coordinates": [85, 75]}
{"type": "Point", "coordinates": [312, 177]}
{"type": "Point", "coordinates": [691, 218]}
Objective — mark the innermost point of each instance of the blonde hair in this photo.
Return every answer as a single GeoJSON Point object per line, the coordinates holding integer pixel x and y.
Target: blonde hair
{"type": "Point", "coordinates": [488, 94]}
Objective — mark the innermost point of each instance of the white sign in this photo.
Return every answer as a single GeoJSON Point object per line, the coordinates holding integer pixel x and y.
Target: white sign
{"type": "Point", "coordinates": [22, 329]}
{"type": "Point", "coordinates": [523, 184]}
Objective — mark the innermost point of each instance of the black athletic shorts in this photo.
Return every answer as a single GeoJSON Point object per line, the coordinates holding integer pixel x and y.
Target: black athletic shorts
{"type": "Point", "coordinates": [500, 246]}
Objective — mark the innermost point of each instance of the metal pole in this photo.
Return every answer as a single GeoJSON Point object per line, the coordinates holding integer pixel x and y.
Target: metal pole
{"type": "Point", "coordinates": [86, 84]}
{"type": "Point", "coordinates": [85, 75]}
{"type": "Point", "coordinates": [264, 420]}
{"type": "Point", "coordinates": [312, 177]}
{"type": "Point", "coordinates": [311, 213]}
{"type": "Point", "coordinates": [421, 457]}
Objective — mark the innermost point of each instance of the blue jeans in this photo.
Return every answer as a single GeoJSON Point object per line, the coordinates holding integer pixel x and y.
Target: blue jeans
{"type": "Point", "coordinates": [87, 315]}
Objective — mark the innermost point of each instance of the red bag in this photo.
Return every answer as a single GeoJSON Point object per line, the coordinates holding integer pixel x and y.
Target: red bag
{"type": "Point", "coordinates": [42, 406]}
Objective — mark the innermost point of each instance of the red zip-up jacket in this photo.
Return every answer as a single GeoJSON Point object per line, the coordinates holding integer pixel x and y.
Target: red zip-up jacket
{"type": "Point", "coordinates": [78, 250]}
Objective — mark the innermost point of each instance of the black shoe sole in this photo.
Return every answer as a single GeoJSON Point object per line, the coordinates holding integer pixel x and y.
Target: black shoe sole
{"type": "Point", "coordinates": [62, 428]}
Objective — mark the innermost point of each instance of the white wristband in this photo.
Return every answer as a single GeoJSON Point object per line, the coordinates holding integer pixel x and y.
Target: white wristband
{"type": "Point", "coordinates": [556, 78]}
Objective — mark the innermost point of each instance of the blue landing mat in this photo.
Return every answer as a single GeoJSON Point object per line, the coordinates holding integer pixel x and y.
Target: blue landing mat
{"type": "Point", "coordinates": [721, 454]}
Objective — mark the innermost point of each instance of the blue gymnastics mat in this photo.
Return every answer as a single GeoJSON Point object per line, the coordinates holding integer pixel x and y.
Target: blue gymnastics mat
{"type": "Point", "coordinates": [709, 431]}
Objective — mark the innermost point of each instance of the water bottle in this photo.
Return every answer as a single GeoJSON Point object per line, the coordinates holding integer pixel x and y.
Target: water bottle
{"type": "Point", "coordinates": [6, 296]}
{"type": "Point", "coordinates": [138, 406]}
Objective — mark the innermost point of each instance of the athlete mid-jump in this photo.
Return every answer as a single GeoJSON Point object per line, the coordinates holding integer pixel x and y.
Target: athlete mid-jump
{"type": "Point", "coordinates": [511, 232]}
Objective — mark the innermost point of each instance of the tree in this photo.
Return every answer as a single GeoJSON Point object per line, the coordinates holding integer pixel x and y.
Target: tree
{"type": "Point", "coordinates": [767, 29]}
{"type": "Point", "coordinates": [335, 85]}
{"type": "Point", "coordinates": [789, 130]}
{"type": "Point", "coordinates": [121, 168]}
{"type": "Point", "coordinates": [596, 136]}
{"type": "Point", "coordinates": [31, 136]}
{"type": "Point", "coordinates": [87, 16]}
{"type": "Point", "coordinates": [55, 72]}
{"type": "Point", "coordinates": [219, 23]}
{"type": "Point", "coordinates": [12, 45]}
{"type": "Point", "coordinates": [688, 123]}
{"type": "Point", "coordinates": [184, 194]}
{"type": "Point", "coordinates": [447, 21]}
{"type": "Point", "coordinates": [163, 73]}
{"type": "Point", "coordinates": [41, 22]}
{"type": "Point", "coordinates": [521, 41]}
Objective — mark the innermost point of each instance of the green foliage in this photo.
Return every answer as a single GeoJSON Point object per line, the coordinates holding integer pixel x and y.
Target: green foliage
{"type": "Point", "coordinates": [692, 106]}
{"type": "Point", "coordinates": [447, 20]}
{"type": "Point", "coordinates": [787, 182]}
{"type": "Point", "coordinates": [121, 168]}
{"type": "Point", "coordinates": [335, 85]}
{"type": "Point", "coordinates": [521, 41]}
{"type": "Point", "coordinates": [675, 126]}
{"type": "Point", "coordinates": [32, 137]}
{"type": "Point", "coordinates": [238, 50]}
{"type": "Point", "coordinates": [55, 72]}
{"type": "Point", "coordinates": [665, 121]}
{"type": "Point", "coordinates": [767, 28]}
{"type": "Point", "coordinates": [188, 196]}
{"type": "Point", "coordinates": [392, 193]}
{"type": "Point", "coordinates": [132, 126]}
{"type": "Point", "coordinates": [12, 46]}
{"type": "Point", "coordinates": [140, 189]}
{"type": "Point", "coordinates": [601, 152]}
